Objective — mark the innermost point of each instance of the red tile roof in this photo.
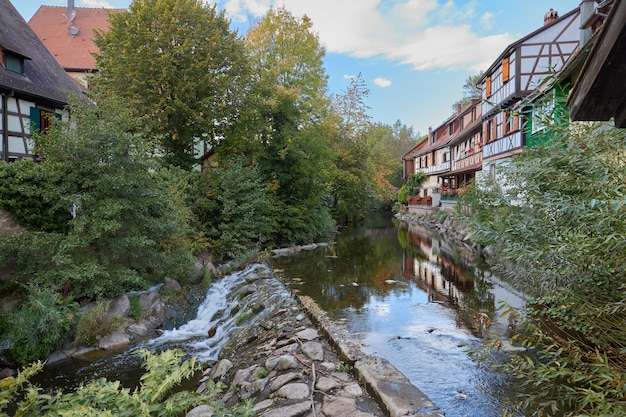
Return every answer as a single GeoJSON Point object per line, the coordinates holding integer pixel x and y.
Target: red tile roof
{"type": "Point", "coordinates": [72, 52]}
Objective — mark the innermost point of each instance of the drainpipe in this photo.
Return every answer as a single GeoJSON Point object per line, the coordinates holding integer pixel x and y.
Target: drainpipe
{"type": "Point", "coordinates": [587, 9]}
{"type": "Point", "coordinates": [70, 7]}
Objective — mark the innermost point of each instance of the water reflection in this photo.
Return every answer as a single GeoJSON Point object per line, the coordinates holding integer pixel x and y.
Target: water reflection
{"type": "Point", "coordinates": [414, 301]}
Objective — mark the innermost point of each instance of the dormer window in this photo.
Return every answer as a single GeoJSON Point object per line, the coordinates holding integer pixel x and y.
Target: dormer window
{"type": "Point", "coordinates": [13, 62]}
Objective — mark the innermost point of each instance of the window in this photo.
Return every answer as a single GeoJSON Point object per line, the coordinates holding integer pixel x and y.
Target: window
{"type": "Point", "coordinates": [42, 120]}
{"type": "Point", "coordinates": [511, 123]}
{"type": "Point", "coordinates": [505, 70]}
{"type": "Point", "coordinates": [541, 114]}
{"type": "Point", "coordinates": [13, 62]}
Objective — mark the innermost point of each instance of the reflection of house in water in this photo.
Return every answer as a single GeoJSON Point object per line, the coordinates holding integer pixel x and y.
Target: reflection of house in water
{"type": "Point", "coordinates": [432, 267]}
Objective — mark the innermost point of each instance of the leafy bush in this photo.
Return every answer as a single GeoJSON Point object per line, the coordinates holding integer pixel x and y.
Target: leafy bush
{"type": "Point", "coordinates": [235, 208]}
{"type": "Point", "coordinates": [130, 220]}
{"type": "Point", "coordinates": [100, 397]}
{"type": "Point", "coordinates": [557, 220]}
{"type": "Point", "coordinates": [39, 325]}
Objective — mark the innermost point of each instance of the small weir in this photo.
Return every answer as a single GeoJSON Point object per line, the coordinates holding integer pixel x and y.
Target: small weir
{"type": "Point", "coordinates": [219, 310]}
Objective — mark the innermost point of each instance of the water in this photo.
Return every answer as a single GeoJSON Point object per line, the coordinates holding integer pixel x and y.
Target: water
{"type": "Point", "coordinates": [412, 300]}
{"type": "Point", "coordinates": [220, 309]}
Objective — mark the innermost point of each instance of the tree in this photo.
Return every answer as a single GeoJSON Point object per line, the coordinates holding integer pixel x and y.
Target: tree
{"type": "Point", "coordinates": [471, 90]}
{"type": "Point", "coordinates": [122, 211]}
{"type": "Point", "coordinates": [181, 69]}
{"type": "Point", "coordinates": [558, 227]}
{"type": "Point", "coordinates": [291, 139]}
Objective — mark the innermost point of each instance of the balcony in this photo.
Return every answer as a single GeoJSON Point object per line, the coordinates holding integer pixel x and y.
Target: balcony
{"type": "Point", "coordinates": [438, 168]}
{"type": "Point", "coordinates": [502, 145]}
{"type": "Point", "coordinates": [467, 161]}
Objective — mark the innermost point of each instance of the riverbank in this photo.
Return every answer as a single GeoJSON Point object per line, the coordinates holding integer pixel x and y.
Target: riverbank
{"type": "Point", "coordinates": [294, 361]}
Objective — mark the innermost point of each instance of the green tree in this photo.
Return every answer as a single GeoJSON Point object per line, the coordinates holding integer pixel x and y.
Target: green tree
{"type": "Point", "coordinates": [181, 68]}
{"type": "Point", "coordinates": [127, 220]}
{"type": "Point", "coordinates": [291, 143]}
{"type": "Point", "coordinates": [471, 90]}
{"type": "Point", "coordinates": [235, 207]}
{"type": "Point", "coordinates": [557, 221]}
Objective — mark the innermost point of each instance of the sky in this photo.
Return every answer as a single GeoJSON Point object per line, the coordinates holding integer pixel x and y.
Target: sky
{"type": "Point", "coordinates": [415, 55]}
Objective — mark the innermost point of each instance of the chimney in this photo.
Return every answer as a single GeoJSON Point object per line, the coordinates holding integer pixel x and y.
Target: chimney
{"type": "Point", "coordinates": [70, 7]}
{"type": "Point", "coordinates": [550, 17]}
{"type": "Point", "coordinates": [587, 10]}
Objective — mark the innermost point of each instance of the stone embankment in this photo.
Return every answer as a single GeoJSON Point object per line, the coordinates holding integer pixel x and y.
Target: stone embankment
{"type": "Point", "coordinates": [294, 361]}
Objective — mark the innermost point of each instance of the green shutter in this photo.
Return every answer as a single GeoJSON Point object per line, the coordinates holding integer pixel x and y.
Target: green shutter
{"type": "Point", "coordinates": [35, 116]}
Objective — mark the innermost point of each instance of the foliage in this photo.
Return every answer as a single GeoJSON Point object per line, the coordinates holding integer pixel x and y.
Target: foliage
{"type": "Point", "coordinates": [130, 220]}
{"type": "Point", "coordinates": [403, 194]}
{"type": "Point", "coordinates": [31, 193]}
{"type": "Point", "coordinates": [291, 143]}
{"type": "Point", "coordinates": [557, 219]}
{"type": "Point", "coordinates": [93, 322]}
{"type": "Point", "coordinates": [471, 90]}
{"type": "Point", "coordinates": [235, 207]}
{"type": "Point", "coordinates": [154, 396]}
{"type": "Point", "coordinates": [136, 310]}
{"type": "Point", "coordinates": [181, 68]}
{"type": "Point", "coordinates": [415, 181]}
{"type": "Point", "coordinates": [39, 325]}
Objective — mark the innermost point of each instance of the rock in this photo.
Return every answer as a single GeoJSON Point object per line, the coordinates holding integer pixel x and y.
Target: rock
{"type": "Point", "coordinates": [198, 273]}
{"type": "Point", "coordinates": [307, 334]}
{"type": "Point", "coordinates": [257, 307]}
{"type": "Point", "coordinates": [246, 290]}
{"type": "Point", "coordinates": [201, 411]}
{"type": "Point", "coordinates": [314, 350]}
{"type": "Point", "coordinates": [55, 357]}
{"type": "Point", "coordinates": [341, 407]}
{"type": "Point", "coordinates": [249, 389]}
{"type": "Point", "coordinates": [326, 384]}
{"type": "Point", "coordinates": [210, 268]}
{"type": "Point", "coordinates": [115, 340]}
{"type": "Point", "coordinates": [171, 284]}
{"type": "Point", "coordinates": [293, 410]}
{"type": "Point", "coordinates": [148, 300]}
{"type": "Point", "coordinates": [119, 306]}
{"type": "Point", "coordinates": [328, 366]}
{"type": "Point", "coordinates": [6, 372]}
{"type": "Point", "coordinates": [212, 331]}
{"type": "Point", "coordinates": [294, 391]}
{"type": "Point", "coordinates": [220, 369]}
{"type": "Point", "coordinates": [263, 405]}
{"type": "Point", "coordinates": [286, 362]}
{"type": "Point", "coordinates": [353, 390]}
{"type": "Point", "coordinates": [300, 317]}
{"type": "Point", "coordinates": [283, 379]}
{"type": "Point", "coordinates": [243, 375]}
{"type": "Point", "coordinates": [138, 329]}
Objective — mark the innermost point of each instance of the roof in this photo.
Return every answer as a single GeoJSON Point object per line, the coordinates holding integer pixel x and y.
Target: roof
{"type": "Point", "coordinates": [43, 76]}
{"type": "Point", "coordinates": [73, 52]}
{"type": "Point", "coordinates": [520, 41]}
{"type": "Point", "coordinates": [599, 92]}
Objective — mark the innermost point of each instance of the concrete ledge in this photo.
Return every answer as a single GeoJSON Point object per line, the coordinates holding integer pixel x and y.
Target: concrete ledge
{"type": "Point", "coordinates": [391, 388]}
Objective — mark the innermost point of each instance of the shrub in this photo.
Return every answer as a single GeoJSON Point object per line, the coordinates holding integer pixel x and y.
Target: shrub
{"type": "Point", "coordinates": [39, 325]}
{"type": "Point", "coordinates": [93, 322]}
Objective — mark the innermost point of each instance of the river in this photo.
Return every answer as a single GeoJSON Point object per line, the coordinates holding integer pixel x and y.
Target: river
{"type": "Point", "coordinates": [405, 291]}
{"type": "Point", "coordinates": [414, 301]}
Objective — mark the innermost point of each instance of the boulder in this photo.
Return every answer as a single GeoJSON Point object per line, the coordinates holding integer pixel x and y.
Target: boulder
{"type": "Point", "coordinates": [294, 391]}
{"type": "Point", "coordinates": [172, 285]}
{"type": "Point", "coordinates": [201, 411]}
{"type": "Point", "coordinates": [115, 340]}
{"type": "Point", "coordinates": [119, 306]}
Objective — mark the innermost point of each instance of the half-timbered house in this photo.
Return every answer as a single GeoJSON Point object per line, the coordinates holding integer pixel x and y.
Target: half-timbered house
{"type": "Point", "coordinates": [514, 75]}
{"type": "Point", "coordinates": [34, 88]}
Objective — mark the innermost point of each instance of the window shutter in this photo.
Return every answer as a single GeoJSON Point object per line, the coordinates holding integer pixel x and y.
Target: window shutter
{"type": "Point", "coordinates": [488, 86]}
{"type": "Point", "coordinates": [505, 70]}
{"type": "Point", "coordinates": [486, 132]}
{"type": "Point", "coordinates": [494, 134]}
{"type": "Point", "coordinates": [516, 122]}
{"type": "Point", "coordinates": [35, 115]}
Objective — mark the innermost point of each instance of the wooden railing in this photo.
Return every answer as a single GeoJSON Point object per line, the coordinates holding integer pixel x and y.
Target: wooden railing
{"type": "Point", "coordinates": [505, 144]}
{"type": "Point", "coordinates": [469, 160]}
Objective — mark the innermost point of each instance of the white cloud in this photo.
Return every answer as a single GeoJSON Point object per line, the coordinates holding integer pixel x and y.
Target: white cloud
{"type": "Point", "coordinates": [349, 77]}
{"type": "Point", "coordinates": [486, 20]}
{"type": "Point", "coordinates": [382, 82]}
{"type": "Point", "coordinates": [420, 33]}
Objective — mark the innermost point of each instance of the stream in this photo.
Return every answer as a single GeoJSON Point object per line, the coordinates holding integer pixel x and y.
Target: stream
{"type": "Point", "coordinates": [412, 299]}
{"type": "Point", "coordinates": [406, 292]}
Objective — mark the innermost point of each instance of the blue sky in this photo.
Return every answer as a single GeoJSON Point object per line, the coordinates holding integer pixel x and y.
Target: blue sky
{"type": "Point", "coordinates": [415, 55]}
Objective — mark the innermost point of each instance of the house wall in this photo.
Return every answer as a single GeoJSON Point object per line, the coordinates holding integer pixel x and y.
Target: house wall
{"type": "Point", "coordinates": [15, 126]}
